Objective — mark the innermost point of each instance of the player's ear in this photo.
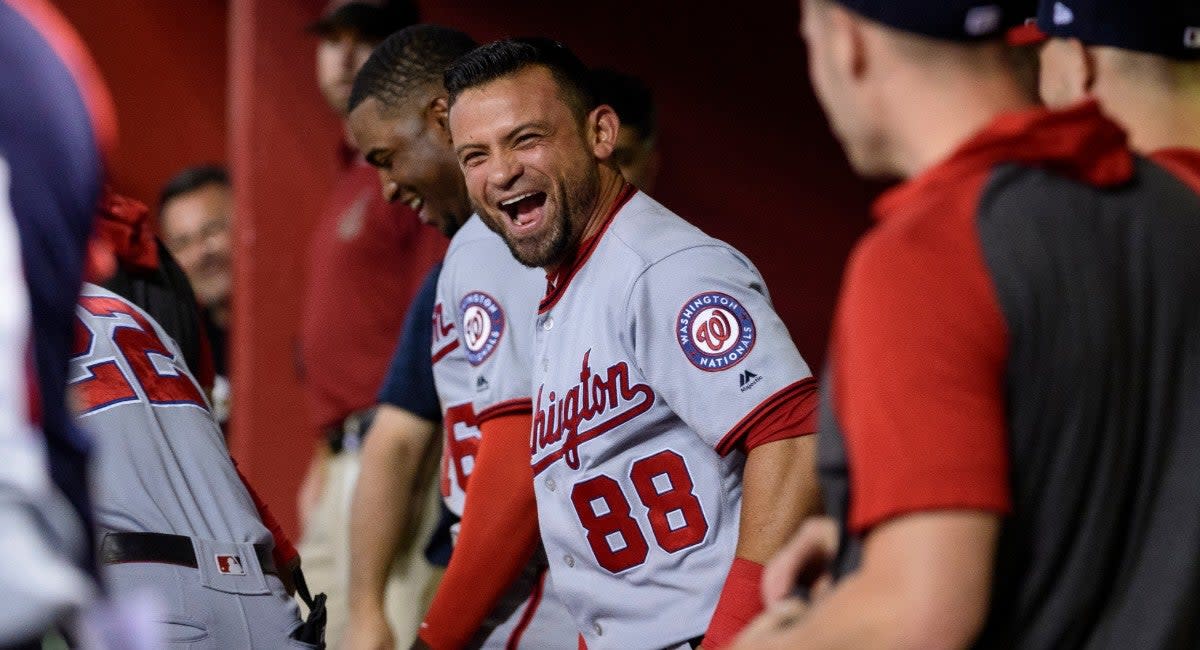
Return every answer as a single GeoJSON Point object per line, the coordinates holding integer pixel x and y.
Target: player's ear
{"type": "Point", "coordinates": [1067, 72]}
{"type": "Point", "coordinates": [438, 112]}
{"type": "Point", "coordinates": [848, 45]}
{"type": "Point", "coordinates": [602, 126]}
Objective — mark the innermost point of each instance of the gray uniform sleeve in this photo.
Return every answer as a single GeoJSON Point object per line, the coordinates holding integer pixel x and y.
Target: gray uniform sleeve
{"type": "Point", "coordinates": [494, 302]}
{"type": "Point", "coordinates": [704, 333]}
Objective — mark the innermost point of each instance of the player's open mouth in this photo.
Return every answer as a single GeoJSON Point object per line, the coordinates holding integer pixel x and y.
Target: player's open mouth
{"type": "Point", "coordinates": [525, 209]}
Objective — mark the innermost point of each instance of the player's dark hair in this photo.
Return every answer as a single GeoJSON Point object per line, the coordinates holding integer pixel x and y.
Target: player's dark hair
{"type": "Point", "coordinates": [407, 60]}
{"type": "Point", "coordinates": [505, 58]}
{"type": "Point", "coordinates": [192, 179]}
{"type": "Point", "coordinates": [630, 98]}
{"type": "Point", "coordinates": [166, 295]}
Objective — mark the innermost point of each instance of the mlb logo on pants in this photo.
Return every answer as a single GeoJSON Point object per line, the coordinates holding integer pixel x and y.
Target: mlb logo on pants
{"type": "Point", "coordinates": [230, 565]}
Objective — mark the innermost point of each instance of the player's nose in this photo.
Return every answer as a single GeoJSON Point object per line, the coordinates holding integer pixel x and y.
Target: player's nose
{"type": "Point", "coordinates": [505, 168]}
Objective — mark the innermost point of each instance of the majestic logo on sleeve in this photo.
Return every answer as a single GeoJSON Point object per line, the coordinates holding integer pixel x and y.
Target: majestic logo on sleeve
{"type": "Point", "coordinates": [482, 325]}
{"type": "Point", "coordinates": [561, 418]}
{"type": "Point", "coordinates": [715, 331]}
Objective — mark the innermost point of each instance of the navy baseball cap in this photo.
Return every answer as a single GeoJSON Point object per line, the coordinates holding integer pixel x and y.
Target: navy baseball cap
{"type": "Point", "coordinates": [951, 20]}
{"type": "Point", "coordinates": [1169, 28]}
{"type": "Point", "coordinates": [373, 19]}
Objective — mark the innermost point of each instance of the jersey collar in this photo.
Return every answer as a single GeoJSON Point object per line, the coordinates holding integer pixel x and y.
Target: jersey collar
{"type": "Point", "coordinates": [1182, 162]}
{"type": "Point", "coordinates": [557, 282]}
{"type": "Point", "coordinates": [1078, 142]}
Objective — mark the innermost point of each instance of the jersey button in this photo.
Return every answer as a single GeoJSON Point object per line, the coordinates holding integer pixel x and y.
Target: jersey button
{"type": "Point", "coordinates": [597, 629]}
{"type": "Point", "coordinates": [551, 485]}
{"type": "Point", "coordinates": [569, 560]}
{"type": "Point", "coordinates": [547, 324]}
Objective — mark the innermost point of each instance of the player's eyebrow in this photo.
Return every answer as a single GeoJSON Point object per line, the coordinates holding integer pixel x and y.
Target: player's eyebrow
{"type": "Point", "coordinates": [517, 130]}
{"type": "Point", "coordinates": [507, 138]}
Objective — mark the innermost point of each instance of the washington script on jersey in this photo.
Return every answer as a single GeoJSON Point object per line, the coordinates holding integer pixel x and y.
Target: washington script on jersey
{"type": "Point", "coordinates": [591, 398]}
{"type": "Point", "coordinates": [715, 331]}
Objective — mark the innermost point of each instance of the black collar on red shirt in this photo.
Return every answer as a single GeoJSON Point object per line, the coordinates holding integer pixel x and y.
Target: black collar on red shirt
{"type": "Point", "coordinates": [557, 282]}
{"type": "Point", "coordinates": [1078, 142]}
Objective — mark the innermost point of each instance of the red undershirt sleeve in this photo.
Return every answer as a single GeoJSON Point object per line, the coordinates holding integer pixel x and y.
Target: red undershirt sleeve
{"type": "Point", "coordinates": [284, 552]}
{"type": "Point", "coordinates": [789, 413]}
{"type": "Point", "coordinates": [498, 535]}
{"type": "Point", "coordinates": [918, 358]}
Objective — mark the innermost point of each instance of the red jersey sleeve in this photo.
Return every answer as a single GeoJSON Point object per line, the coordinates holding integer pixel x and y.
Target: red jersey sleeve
{"type": "Point", "coordinates": [498, 536]}
{"type": "Point", "coordinates": [918, 358]}
{"type": "Point", "coordinates": [284, 552]}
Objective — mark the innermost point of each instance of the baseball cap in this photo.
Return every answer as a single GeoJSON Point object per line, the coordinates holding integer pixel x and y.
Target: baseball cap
{"type": "Point", "coordinates": [951, 20]}
{"type": "Point", "coordinates": [1169, 28]}
{"type": "Point", "coordinates": [374, 19]}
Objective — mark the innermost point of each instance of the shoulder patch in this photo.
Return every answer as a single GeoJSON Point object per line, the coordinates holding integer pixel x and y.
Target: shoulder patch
{"type": "Point", "coordinates": [715, 331]}
{"type": "Point", "coordinates": [482, 325]}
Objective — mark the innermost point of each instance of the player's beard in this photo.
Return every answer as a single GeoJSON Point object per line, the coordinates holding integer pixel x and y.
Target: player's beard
{"type": "Point", "coordinates": [575, 201]}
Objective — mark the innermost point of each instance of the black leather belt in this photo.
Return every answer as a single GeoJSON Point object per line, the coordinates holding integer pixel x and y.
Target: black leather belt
{"type": "Point", "coordinates": [350, 431]}
{"type": "Point", "coordinates": [160, 548]}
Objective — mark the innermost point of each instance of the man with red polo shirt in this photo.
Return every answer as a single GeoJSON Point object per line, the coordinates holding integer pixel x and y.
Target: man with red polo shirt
{"type": "Point", "coordinates": [1011, 414]}
{"type": "Point", "coordinates": [1146, 75]}
{"type": "Point", "coordinates": [366, 260]}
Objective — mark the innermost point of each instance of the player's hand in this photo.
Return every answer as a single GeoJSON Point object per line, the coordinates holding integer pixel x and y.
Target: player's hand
{"type": "Point", "coordinates": [804, 562]}
{"type": "Point", "coordinates": [771, 628]}
{"type": "Point", "coordinates": [368, 629]}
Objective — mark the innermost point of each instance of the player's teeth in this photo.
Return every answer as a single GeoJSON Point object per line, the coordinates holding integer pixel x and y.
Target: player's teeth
{"type": "Point", "coordinates": [515, 199]}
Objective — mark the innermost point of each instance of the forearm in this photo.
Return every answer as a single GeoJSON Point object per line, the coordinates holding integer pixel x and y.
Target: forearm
{"type": "Point", "coordinates": [858, 614]}
{"type": "Point", "coordinates": [390, 458]}
{"type": "Point", "coordinates": [498, 535]}
{"type": "Point", "coordinates": [779, 489]}
{"type": "Point", "coordinates": [924, 582]}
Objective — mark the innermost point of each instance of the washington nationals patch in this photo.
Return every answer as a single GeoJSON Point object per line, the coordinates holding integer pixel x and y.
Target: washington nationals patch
{"type": "Point", "coordinates": [482, 325]}
{"type": "Point", "coordinates": [715, 331]}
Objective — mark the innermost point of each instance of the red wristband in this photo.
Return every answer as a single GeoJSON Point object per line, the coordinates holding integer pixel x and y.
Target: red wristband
{"type": "Point", "coordinates": [741, 601]}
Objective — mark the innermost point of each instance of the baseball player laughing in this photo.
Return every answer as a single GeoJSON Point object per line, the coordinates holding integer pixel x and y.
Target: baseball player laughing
{"type": "Point", "coordinates": [670, 408]}
{"type": "Point", "coordinates": [495, 592]}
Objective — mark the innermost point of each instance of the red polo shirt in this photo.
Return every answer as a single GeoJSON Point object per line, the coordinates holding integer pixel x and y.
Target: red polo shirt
{"type": "Point", "coordinates": [366, 260]}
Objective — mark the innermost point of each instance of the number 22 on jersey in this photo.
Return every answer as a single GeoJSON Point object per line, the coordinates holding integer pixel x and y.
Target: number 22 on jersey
{"type": "Point", "coordinates": [105, 383]}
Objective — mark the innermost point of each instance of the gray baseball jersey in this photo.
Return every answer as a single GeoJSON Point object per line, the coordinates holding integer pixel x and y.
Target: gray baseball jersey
{"type": "Point", "coordinates": [654, 351]}
{"type": "Point", "coordinates": [162, 464]}
{"type": "Point", "coordinates": [482, 348]}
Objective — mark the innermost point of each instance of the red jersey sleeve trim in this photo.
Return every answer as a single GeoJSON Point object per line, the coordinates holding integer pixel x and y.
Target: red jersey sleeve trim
{"type": "Point", "coordinates": [519, 406]}
{"type": "Point", "coordinates": [441, 354]}
{"type": "Point", "coordinates": [934, 495]}
{"type": "Point", "coordinates": [753, 431]}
